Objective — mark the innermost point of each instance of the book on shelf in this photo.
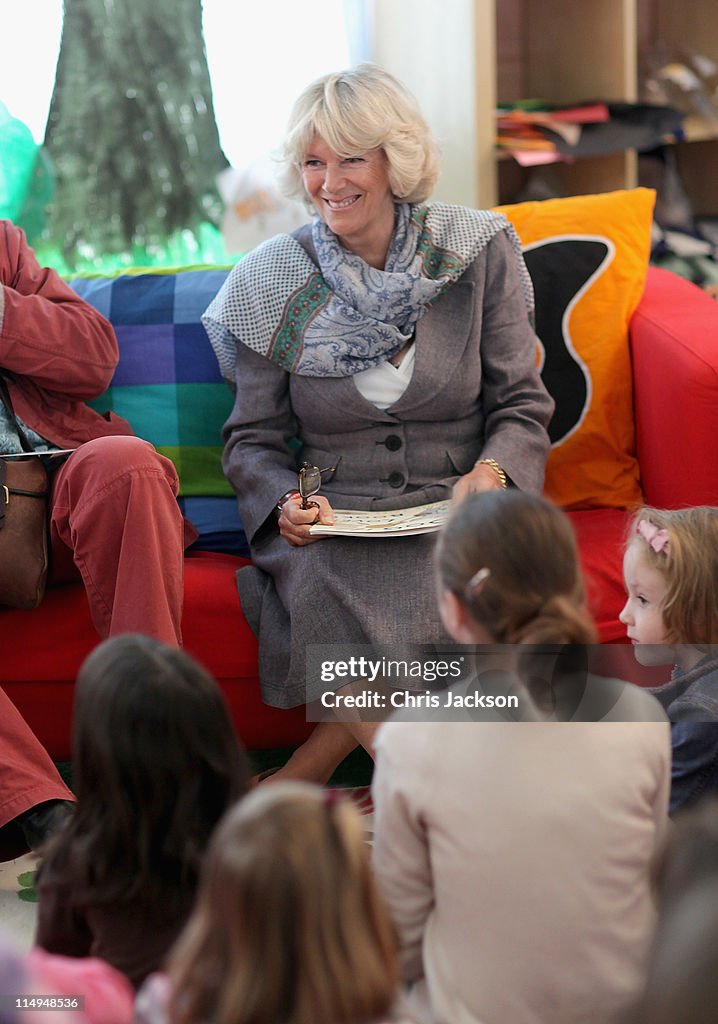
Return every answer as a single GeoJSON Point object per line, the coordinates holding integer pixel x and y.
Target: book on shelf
{"type": "Point", "coordinates": [401, 522]}
{"type": "Point", "coordinates": [537, 127]}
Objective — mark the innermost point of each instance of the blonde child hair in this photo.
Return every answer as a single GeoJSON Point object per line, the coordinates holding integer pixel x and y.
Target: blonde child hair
{"type": "Point", "coordinates": [288, 925]}
{"type": "Point", "coordinates": [524, 550]}
{"type": "Point", "coordinates": [682, 545]}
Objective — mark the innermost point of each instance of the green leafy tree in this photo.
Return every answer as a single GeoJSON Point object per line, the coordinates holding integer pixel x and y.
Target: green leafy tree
{"type": "Point", "coordinates": [132, 133]}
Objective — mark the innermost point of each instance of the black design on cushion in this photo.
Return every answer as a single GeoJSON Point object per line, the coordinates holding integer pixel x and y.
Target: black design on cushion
{"type": "Point", "coordinates": [560, 270]}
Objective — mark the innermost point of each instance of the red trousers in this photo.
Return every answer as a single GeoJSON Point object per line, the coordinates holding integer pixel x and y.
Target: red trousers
{"type": "Point", "coordinates": [27, 775]}
{"type": "Point", "coordinates": [116, 521]}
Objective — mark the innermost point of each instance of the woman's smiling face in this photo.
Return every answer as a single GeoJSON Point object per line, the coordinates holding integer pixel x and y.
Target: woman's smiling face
{"type": "Point", "coordinates": [351, 194]}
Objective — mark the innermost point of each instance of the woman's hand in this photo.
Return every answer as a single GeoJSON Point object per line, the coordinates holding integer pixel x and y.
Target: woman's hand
{"type": "Point", "coordinates": [294, 522]}
{"type": "Point", "coordinates": [481, 478]}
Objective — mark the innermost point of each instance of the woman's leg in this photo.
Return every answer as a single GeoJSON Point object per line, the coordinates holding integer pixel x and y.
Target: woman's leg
{"type": "Point", "coordinates": [326, 748]}
{"type": "Point", "coordinates": [317, 758]}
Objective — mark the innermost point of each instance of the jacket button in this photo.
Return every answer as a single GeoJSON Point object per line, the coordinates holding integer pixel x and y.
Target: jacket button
{"type": "Point", "coordinates": [396, 480]}
{"type": "Point", "coordinates": [393, 442]}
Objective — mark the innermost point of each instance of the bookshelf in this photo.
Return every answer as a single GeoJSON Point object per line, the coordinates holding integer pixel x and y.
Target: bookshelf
{"type": "Point", "coordinates": [461, 57]}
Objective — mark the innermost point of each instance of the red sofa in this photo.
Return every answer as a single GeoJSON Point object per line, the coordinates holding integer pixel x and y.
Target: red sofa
{"type": "Point", "coordinates": [674, 345]}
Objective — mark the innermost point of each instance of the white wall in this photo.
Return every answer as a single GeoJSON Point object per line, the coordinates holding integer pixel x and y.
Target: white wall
{"type": "Point", "coordinates": [432, 46]}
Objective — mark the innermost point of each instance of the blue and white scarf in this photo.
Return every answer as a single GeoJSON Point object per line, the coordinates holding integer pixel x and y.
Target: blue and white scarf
{"type": "Point", "coordinates": [341, 316]}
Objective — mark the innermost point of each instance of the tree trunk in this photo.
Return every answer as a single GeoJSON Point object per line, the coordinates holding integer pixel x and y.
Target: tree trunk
{"type": "Point", "coordinates": [131, 129]}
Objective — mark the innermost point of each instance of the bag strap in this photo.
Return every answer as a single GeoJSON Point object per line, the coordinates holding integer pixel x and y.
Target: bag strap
{"type": "Point", "coordinates": [5, 396]}
{"type": "Point", "coordinates": [4, 492]}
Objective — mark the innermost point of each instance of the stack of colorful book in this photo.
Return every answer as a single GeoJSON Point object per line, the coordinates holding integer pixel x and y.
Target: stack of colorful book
{"type": "Point", "coordinates": [529, 131]}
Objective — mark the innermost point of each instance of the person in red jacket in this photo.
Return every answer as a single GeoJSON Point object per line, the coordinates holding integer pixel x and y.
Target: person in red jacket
{"type": "Point", "coordinates": [114, 518]}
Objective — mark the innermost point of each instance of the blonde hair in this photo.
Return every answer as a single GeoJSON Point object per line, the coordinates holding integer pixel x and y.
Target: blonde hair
{"type": "Point", "coordinates": [533, 592]}
{"type": "Point", "coordinates": [689, 565]}
{"type": "Point", "coordinates": [356, 110]}
{"type": "Point", "coordinates": [288, 925]}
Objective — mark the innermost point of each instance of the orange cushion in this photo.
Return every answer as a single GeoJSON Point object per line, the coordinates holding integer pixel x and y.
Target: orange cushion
{"type": "Point", "coordinates": [588, 258]}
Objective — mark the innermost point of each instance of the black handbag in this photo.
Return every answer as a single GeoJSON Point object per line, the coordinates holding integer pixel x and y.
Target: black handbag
{"type": "Point", "coordinates": [24, 497]}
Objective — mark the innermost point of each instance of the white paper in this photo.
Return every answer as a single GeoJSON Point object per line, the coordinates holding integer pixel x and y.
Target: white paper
{"type": "Point", "coordinates": [402, 522]}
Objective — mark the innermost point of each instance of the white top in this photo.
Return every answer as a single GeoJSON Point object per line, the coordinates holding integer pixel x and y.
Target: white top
{"type": "Point", "coordinates": [515, 858]}
{"type": "Point", "coordinates": [384, 384]}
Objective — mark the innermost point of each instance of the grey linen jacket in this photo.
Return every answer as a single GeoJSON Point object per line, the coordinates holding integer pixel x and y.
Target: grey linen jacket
{"type": "Point", "coordinates": [475, 393]}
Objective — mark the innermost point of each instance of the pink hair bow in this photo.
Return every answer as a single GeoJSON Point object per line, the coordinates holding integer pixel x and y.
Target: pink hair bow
{"type": "Point", "coordinates": [655, 538]}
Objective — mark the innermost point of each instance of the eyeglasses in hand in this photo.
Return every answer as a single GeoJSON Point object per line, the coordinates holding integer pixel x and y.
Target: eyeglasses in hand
{"type": "Point", "coordinates": [310, 482]}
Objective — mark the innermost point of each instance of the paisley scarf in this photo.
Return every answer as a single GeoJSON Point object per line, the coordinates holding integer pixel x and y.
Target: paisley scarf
{"type": "Point", "coordinates": [339, 316]}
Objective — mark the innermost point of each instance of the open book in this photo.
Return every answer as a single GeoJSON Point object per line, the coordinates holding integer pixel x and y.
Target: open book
{"type": "Point", "coordinates": [402, 522]}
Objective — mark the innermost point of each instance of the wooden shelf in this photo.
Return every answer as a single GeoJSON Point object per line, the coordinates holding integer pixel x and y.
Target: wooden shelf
{"type": "Point", "coordinates": [697, 129]}
{"type": "Point", "coordinates": [462, 57]}
{"type": "Point", "coordinates": [571, 51]}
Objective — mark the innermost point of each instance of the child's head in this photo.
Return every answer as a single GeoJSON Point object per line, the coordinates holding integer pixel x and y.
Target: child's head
{"type": "Point", "coordinates": [670, 570]}
{"type": "Point", "coordinates": [155, 765]}
{"type": "Point", "coordinates": [288, 925]}
{"type": "Point", "coordinates": [508, 572]}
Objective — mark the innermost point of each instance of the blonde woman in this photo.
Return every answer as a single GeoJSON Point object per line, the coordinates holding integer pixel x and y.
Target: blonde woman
{"type": "Point", "coordinates": [392, 338]}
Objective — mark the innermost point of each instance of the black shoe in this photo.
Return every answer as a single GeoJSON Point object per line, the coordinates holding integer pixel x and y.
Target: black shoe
{"type": "Point", "coordinates": [41, 821]}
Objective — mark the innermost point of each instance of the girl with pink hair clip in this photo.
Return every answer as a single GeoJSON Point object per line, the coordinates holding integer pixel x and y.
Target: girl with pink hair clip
{"type": "Point", "coordinates": [670, 570]}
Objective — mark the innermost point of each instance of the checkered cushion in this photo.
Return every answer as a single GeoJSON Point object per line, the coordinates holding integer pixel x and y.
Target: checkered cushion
{"type": "Point", "coordinates": [168, 384]}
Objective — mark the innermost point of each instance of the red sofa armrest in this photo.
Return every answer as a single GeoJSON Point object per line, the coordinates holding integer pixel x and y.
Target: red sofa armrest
{"type": "Point", "coordinates": [674, 349]}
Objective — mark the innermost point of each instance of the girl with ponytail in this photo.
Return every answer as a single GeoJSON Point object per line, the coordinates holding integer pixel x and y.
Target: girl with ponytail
{"type": "Point", "coordinates": [514, 854]}
{"type": "Point", "coordinates": [508, 573]}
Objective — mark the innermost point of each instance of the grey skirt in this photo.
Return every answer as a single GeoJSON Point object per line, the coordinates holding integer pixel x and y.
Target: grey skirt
{"type": "Point", "coordinates": [341, 590]}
